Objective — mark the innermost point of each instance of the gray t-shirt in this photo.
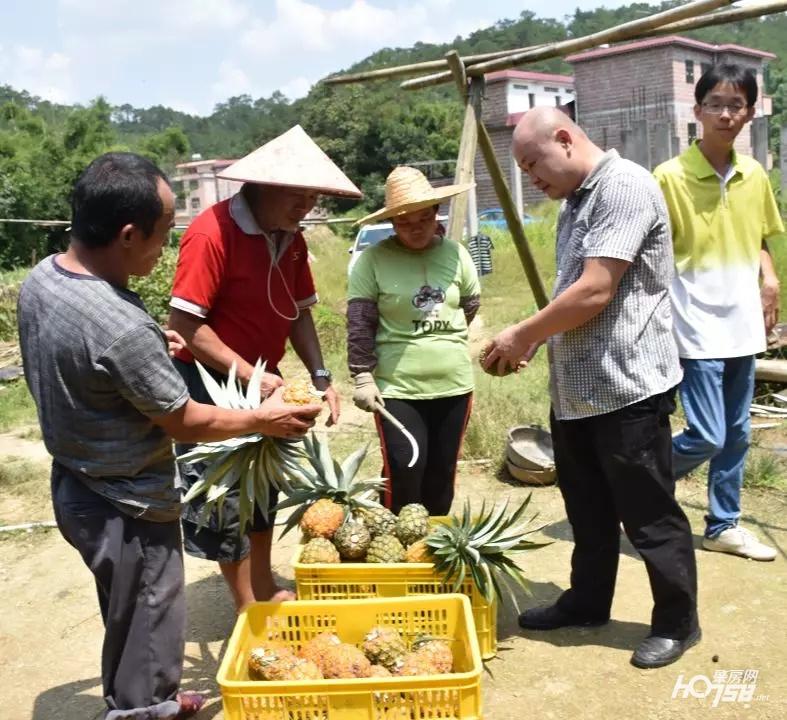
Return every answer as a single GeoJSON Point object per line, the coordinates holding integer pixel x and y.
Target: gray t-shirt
{"type": "Point", "coordinates": [626, 353]}
{"type": "Point", "coordinates": [97, 366]}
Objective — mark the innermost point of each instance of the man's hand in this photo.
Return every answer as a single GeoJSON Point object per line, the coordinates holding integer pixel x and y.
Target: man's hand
{"type": "Point", "coordinates": [769, 293]}
{"type": "Point", "coordinates": [269, 383]}
{"type": "Point", "coordinates": [175, 341]}
{"type": "Point", "coordinates": [334, 405]}
{"type": "Point", "coordinates": [511, 348]}
{"type": "Point", "coordinates": [366, 394]}
{"type": "Point", "coordinates": [278, 419]}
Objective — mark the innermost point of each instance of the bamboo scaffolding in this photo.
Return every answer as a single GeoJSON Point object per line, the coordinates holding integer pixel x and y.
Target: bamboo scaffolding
{"type": "Point", "coordinates": [626, 31]}
{"type": "Point", "coordinates": [722, 17]}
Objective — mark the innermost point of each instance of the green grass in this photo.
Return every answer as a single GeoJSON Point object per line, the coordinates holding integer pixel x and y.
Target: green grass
{"type": "Point", "coordinates": [16, 406]}
{"type": "Point", "coordinates": [765, 470]}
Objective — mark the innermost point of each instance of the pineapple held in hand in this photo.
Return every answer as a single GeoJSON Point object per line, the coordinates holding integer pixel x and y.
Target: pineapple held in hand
{"type": "Point", "coordinates": [492, 370]}
{"type": "Point", "coordinates": [301, 392]}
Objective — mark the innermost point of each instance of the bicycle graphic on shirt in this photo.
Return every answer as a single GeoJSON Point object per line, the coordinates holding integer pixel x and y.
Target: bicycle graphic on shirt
{"type": "Point", "coordinates": [429, 300]}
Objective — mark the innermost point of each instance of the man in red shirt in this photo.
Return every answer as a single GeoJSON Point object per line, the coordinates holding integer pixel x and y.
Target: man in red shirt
{"type": "Point", "coordinates": [242, 288]}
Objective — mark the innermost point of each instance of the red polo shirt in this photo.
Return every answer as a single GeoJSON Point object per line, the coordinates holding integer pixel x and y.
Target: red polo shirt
{"type": "Point", "coordinates": [226, 275]}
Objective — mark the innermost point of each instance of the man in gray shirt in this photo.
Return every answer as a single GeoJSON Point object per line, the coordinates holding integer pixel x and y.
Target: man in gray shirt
{"type": "Point", "coordinates": [613, 370]}
{"type": "Point", "coordinates": [109, 402]}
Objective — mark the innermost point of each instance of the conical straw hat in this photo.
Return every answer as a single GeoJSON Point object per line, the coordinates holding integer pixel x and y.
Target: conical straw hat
{"type": "Point", "coordinates": [292, 159]}
{"type": "Point", "coordinates": [407, 190]}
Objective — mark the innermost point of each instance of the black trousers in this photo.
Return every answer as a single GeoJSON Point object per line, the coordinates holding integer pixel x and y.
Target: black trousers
{"type": "Point", "coordinates": [438, 427]}
{"type": "Point", "coordinates": [617, 468]}
{"type": "Point", "coordinates": [138, 570]}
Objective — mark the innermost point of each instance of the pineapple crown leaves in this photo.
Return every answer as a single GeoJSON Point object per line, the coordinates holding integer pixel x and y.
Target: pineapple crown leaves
{"type": "Point", "coordinates": [254, 462]}
{"type": "Point", "coordinates": [328, 479]}
{"type": "Point", "coordinates": [481, 546]}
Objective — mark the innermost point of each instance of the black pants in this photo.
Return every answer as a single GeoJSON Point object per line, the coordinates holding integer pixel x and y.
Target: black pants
{"type": "Point", "coordinates": [438, 427]}
{"type": "Point", "coordinates": [138, 569]}
{"type": "Point", "coordinates": [616, 468]}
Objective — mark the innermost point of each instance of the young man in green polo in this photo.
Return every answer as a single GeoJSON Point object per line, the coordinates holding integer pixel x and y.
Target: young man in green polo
{"type": "Point", "coordinates": [725, 296]}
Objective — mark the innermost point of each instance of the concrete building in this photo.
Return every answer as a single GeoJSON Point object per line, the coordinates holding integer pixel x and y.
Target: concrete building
{"type": "Point", "coordinates": [638, 97]}
{"type": "Point", "coordinates": [196, 187]}
{"type": "Point", "coordinates": [509, 94]}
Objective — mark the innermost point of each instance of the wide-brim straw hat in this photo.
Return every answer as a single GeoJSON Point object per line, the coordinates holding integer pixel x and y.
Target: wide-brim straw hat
{"type": "Point", "coordinates": [407, 190]}
{"type": "Point", "coordinates": [294, 160]}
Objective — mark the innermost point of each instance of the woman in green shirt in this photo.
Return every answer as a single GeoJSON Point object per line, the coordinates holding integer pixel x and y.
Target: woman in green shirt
{"type": "Point", "coordinates": [411, 300]}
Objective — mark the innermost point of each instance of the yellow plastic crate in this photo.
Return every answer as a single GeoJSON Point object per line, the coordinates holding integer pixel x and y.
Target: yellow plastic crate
{"type": "Point", "coordinates": [337, 581]}
{"type": "Point", "coordinates": [455, 696]}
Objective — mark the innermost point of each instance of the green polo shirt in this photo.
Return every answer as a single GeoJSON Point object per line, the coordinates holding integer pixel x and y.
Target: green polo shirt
{"type": "Point", "coordinates": [421, 341]}
{"type": "Point", "coordinates": [718, 225]}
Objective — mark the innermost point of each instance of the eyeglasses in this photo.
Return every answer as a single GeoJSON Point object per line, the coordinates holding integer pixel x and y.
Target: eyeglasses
{"type": "Point", "coordinates": [716, 108]}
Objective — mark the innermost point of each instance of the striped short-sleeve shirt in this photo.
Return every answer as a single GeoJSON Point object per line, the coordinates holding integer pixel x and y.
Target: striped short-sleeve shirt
{"type": "Point", "coordinates": [627, 352]}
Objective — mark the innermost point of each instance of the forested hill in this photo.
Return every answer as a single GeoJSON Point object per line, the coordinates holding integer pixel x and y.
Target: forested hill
{"type": "Point", "coordinates": [365, 128]}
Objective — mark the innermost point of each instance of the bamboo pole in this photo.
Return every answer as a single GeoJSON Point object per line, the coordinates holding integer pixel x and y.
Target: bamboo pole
{"type": "Point", "coordinates": [722, 17]}
{"type": "Point", "coordinates": [465, 162]}
{"type": "Point", "coordinates": [626, 31]}
{"type": "Point", "coordinates": [513, 217]}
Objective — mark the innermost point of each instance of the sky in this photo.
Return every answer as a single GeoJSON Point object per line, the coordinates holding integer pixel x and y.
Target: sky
{"type": "Point", "coordinates": [192, 54]}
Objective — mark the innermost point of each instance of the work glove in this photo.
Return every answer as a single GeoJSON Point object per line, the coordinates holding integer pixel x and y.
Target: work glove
{"type": "Point", "coordinates": [366, 394]}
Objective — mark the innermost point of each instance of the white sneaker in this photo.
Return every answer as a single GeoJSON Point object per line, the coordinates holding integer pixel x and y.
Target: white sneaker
{"type": "Point", "coordinates": [739, 541]}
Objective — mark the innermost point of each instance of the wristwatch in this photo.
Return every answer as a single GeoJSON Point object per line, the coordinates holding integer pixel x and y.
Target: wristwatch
{"type": "Point", "coordinates": [322, 373]}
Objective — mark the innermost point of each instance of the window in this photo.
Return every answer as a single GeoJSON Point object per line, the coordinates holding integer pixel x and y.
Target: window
{"type": "Point", "coordinates": [557, 100]}
{"type": "Point", "coordinates": [546, 89]}
{"type": "Point", "coordinates": [704, 67]}
{"type": "Point", "coordinates": [517, 86]}
{"type": "Point", "coordinates": [531, 97]}
{"type": "Point", "coordinates": [691, 130]}
{"type": "Point", "coordinates": [193, 184]}
{"type": "Point", "coordinates": [195, 203]}
{"type": "Point", "coordinates": [690, 71]}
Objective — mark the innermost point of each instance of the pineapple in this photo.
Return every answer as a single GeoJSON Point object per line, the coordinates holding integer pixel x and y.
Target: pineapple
{"type": "Point", "coordinates": [384, 646]}
{"type": "Point", "coordinates": [303, 669]}
{"type": "Point", "coordinates": [325, 494]}
{"type": "Point", "coordinates": [319, 550]}
{"type": "Point", "coordinates": [270, 661]}
{"type": "Point", "coordinates": [385, 549]}
{"type": "Point", "coordinates": [322, 519]}
{"type": "Point", "coordinates": [345, 661]}
{"type": "Point", "coordinates": [301, 392]}
{"type": "Point", "coordinates": [480, 546]}
{"type": "Point", "coordinates": [352, 540]}
{"type": "Point", "coordinates": [253, 463]}
{"type": "Point", "coordinates": [418, 552]}
{"type": "Point", "coordinates": [492, 369]}
{"type": "Point", "coordinates": [437, 651]}
{"type": "Point", "coordinates": [380, 520]}
{"type": "Point", "coordinates": [315, 648]}
{"type": "Point", "coordinates": [379, 671]}
{"type": "Point", "coordinates": [412, 523]}
{"type": "Point", "coordinates": [416, 664]}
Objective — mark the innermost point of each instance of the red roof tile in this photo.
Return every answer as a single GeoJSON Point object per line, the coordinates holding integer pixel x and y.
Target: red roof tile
{"type": "Point", "coordinates": [666, 40]}
{"type": "Point", "coordinates": [529, 75]}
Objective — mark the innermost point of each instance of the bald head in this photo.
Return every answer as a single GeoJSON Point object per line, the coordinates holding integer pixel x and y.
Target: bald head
{"type": "Point", "coordinates": [553, 150]}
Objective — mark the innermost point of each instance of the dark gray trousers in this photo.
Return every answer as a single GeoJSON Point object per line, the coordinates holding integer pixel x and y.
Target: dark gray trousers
{"type": "Point", "coordinates": [138, 569]}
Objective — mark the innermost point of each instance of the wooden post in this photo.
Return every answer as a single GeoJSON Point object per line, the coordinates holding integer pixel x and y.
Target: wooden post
{"type": "Point", "coordinates": [513, 218]}
{"type": "Point", "coordinates": [465, 163]}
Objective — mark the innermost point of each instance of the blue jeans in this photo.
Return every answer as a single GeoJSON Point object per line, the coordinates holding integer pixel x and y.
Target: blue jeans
{"type": "Point", "coordinates": [716, 395]}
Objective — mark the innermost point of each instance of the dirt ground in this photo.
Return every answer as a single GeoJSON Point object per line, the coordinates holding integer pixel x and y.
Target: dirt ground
{"type": "Point", "coordinates": [50, 628]}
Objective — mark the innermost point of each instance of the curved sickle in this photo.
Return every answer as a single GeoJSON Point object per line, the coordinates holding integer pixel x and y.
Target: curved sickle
{"type": "Point", "coordinates": [391, 419]}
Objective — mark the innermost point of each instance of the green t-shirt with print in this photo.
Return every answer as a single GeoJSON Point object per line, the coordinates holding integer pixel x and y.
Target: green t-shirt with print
{"type": "Point", "coordinates": [421, 341]}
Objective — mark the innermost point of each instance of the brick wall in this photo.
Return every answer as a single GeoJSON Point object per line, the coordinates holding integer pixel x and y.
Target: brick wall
{"type": "Point", "coordinates": [616, 91]}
